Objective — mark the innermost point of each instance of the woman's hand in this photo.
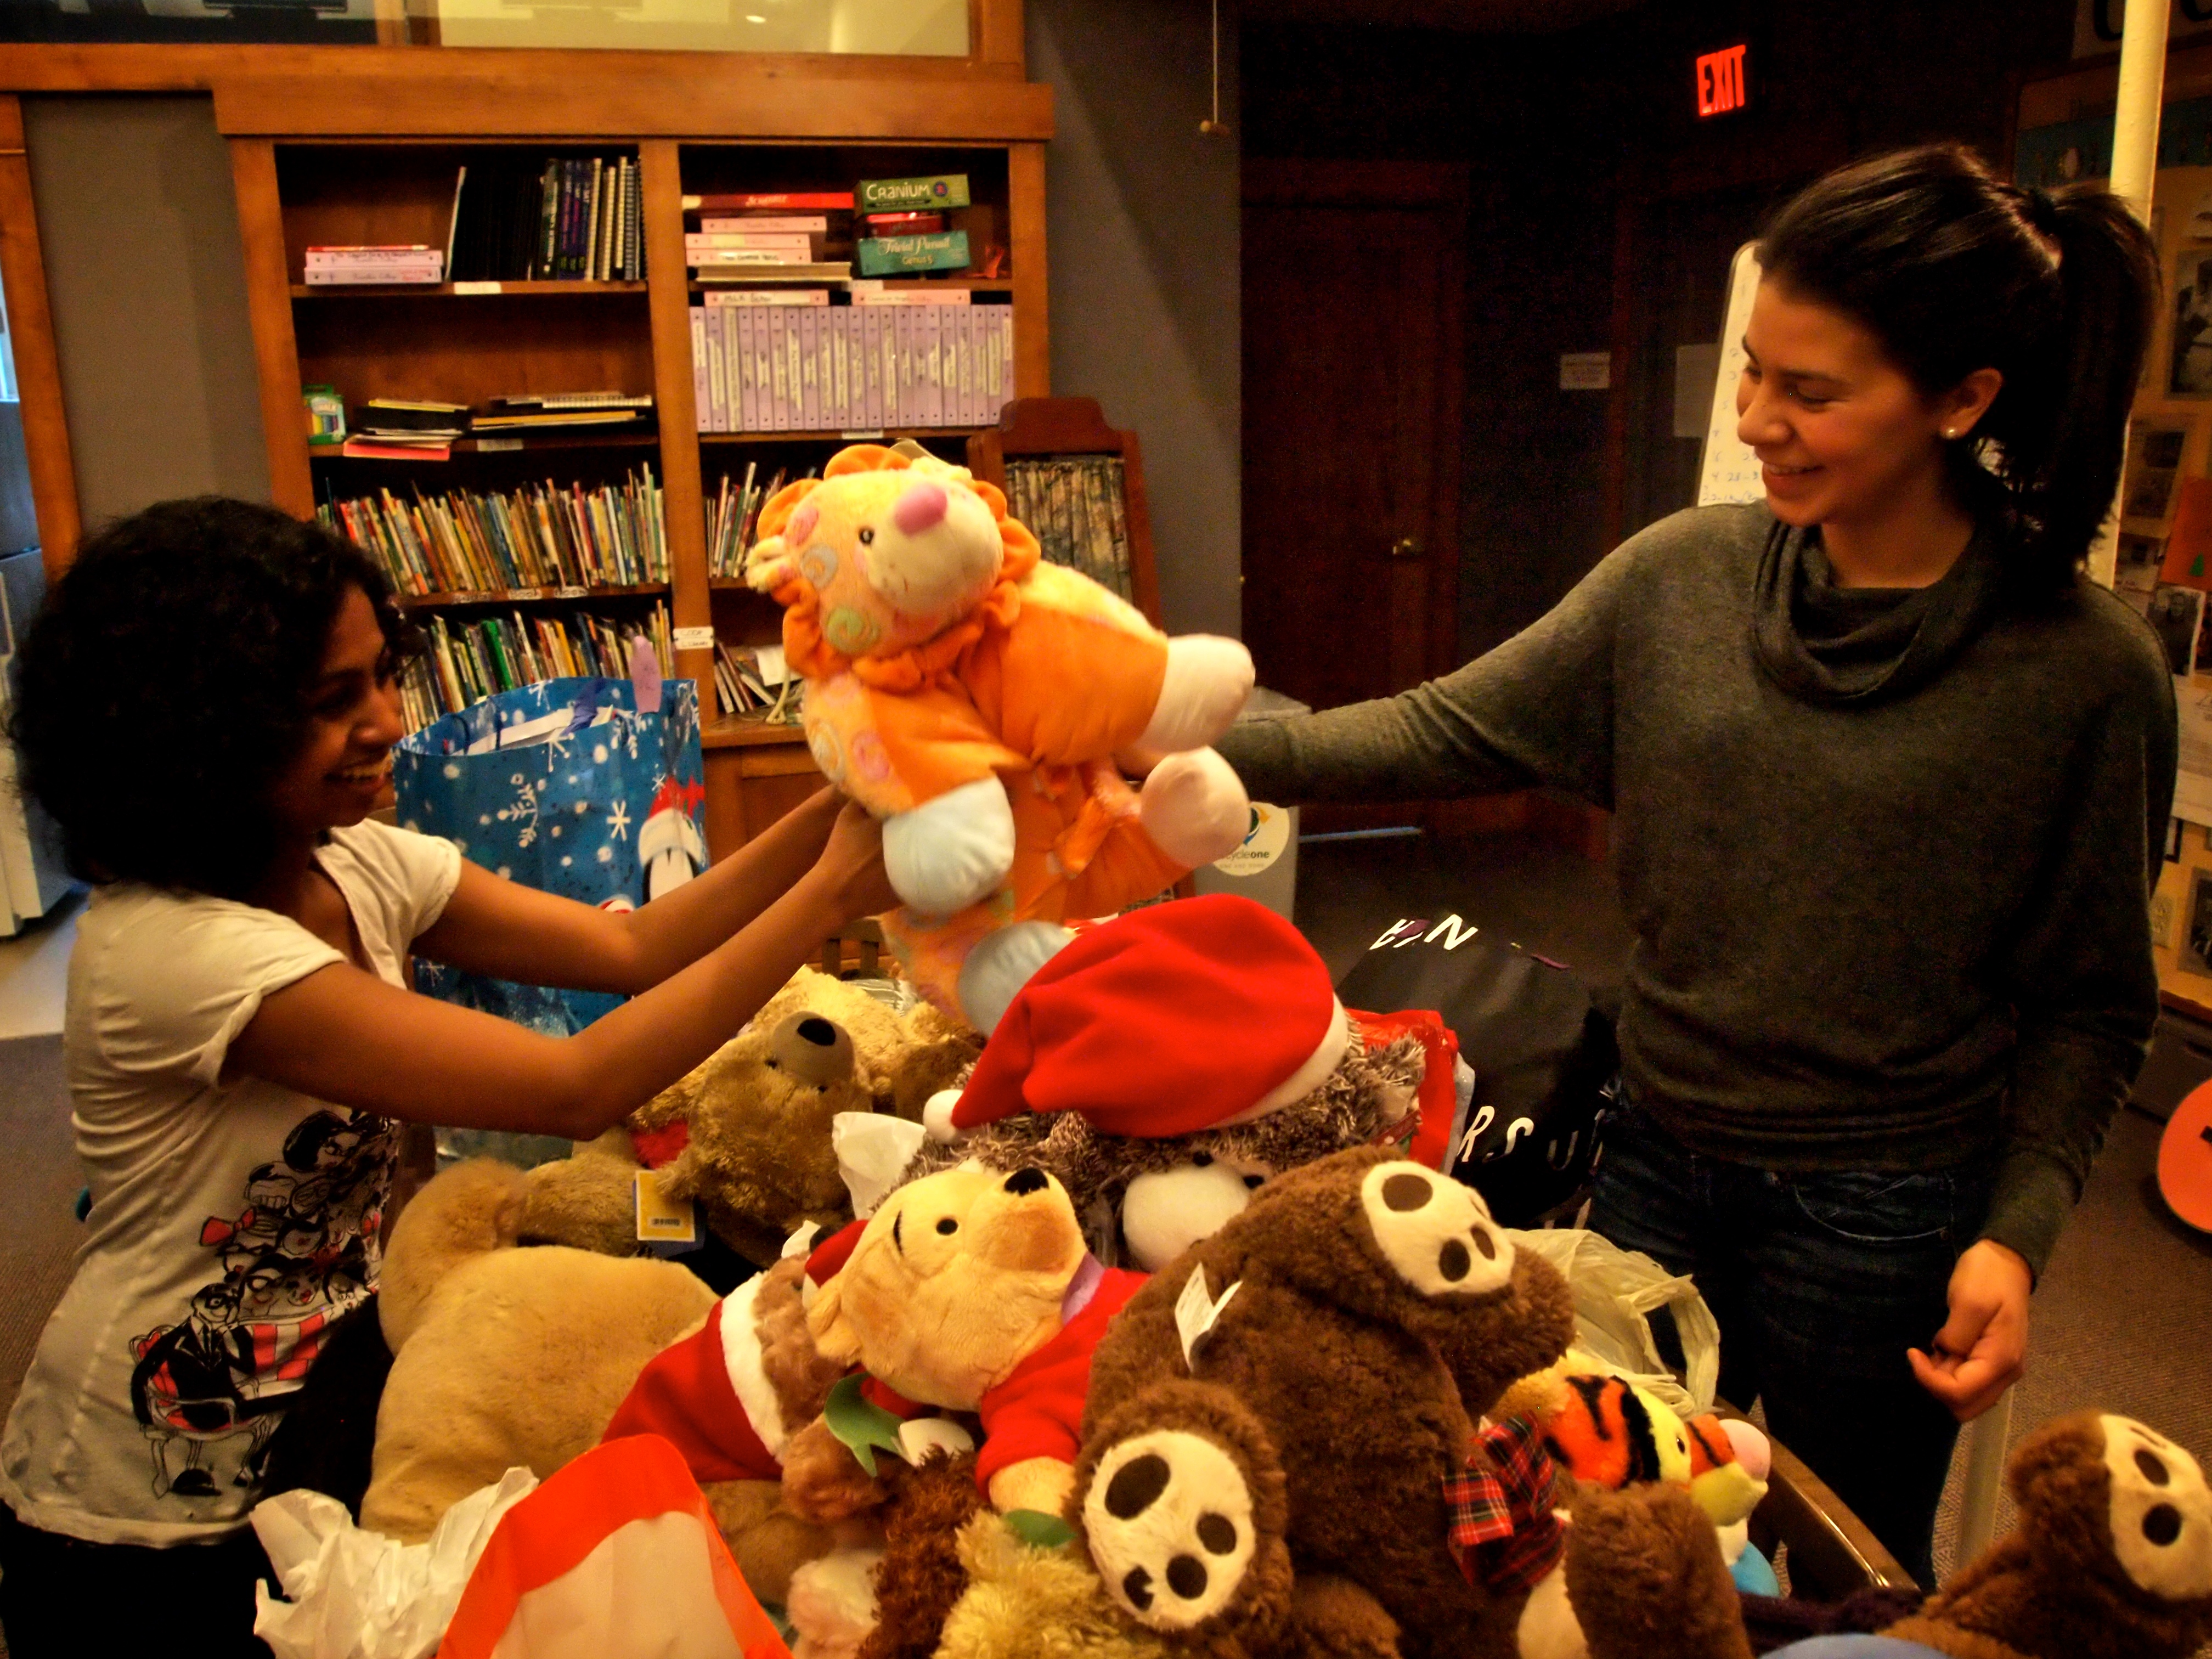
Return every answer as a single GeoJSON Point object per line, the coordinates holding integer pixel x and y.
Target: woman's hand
{"type": "Point", "coordinates": [1982, 1349]}
{"type": "Point", "coordinates": [851, 867]}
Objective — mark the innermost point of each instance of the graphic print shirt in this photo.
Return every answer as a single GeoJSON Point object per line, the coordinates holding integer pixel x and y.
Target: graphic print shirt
{"type": "Point", "coordinates": [233, 1219]}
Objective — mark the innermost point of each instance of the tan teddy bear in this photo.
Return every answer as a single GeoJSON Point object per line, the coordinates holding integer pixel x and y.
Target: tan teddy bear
{"type": "Point", "coordinates": [748, 1133]}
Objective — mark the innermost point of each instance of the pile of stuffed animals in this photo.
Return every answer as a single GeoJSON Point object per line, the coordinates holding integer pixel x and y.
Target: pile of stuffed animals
{"type": "Point", "coordinates": [1135, 1331]}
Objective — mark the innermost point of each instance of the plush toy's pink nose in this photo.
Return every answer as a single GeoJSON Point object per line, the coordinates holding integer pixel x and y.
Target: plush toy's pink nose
{"type": "Point", "coordinates": [923, 506]}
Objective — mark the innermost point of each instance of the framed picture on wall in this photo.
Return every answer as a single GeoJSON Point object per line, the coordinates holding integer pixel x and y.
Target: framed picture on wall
{"type": "Point", "coordinates": [2189, 373]}
{"type": "Point", "coordinates": [2154, 462]}
{"type": "Point", "coordinates": [2175, 615]}
{"type": "Point", "coordinates": [2196, 945]}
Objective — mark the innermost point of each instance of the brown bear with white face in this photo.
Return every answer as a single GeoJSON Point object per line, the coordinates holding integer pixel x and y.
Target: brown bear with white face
{"type": "Point", "coordinates": [2111, 1560]}
{"type": "Point", "coordinates": [1274, 1482]}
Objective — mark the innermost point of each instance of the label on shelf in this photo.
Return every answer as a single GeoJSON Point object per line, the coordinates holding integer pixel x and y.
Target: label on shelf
{"type": "Point", "coordinates": [570, 592]}
{"type": "Point", "coordinates": [525, 593]}
{"type": "Point", "coordinates": [878, 433]}
{"type": "Point", "coordinates": [476, 288]}
{"type": "Point", "coordinates": [694, 639]}
{"type": "Point", "coordinates": [492, 445]}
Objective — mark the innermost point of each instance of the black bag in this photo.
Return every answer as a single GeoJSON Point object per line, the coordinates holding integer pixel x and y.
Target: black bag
{"type": "Point", "coordinates": [1542, 1053]}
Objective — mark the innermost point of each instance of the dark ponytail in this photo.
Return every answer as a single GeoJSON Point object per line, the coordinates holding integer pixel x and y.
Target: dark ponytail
{"type": "Point", "coordinates": [1953, 270]}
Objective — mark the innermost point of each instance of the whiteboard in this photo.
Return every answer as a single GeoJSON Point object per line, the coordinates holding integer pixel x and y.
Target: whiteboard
{"type": "Point", "coordinates": [1728, 471]}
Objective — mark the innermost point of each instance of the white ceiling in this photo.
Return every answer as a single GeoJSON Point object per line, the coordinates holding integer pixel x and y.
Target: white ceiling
{"type": "Point", "coordinates": [1473, 16]}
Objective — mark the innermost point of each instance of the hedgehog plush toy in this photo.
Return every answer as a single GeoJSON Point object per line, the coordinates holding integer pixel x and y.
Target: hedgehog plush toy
{"type": "Point", "coordinates": [1168, 1064]}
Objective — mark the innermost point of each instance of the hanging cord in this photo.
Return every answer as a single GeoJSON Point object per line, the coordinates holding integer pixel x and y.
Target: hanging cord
{"type": "Point", "coordinates": [1214, 129]}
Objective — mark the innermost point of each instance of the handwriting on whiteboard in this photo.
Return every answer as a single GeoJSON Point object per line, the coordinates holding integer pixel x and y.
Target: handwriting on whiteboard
{"type": "Point", "coordinates": [1729, 472]}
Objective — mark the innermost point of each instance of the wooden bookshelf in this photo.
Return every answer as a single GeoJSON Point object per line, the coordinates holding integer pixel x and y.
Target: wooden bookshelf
{"type": "Point", "coordinates": [347, 168]}
{"type": "Point", "coordinates": [590, 595]}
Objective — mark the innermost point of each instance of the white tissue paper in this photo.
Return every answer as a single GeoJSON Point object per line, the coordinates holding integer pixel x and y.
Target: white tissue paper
{"type": "Point", "coordinates": [357, 1594]}
{"type": "Point", "coordinates": [873, 1149]}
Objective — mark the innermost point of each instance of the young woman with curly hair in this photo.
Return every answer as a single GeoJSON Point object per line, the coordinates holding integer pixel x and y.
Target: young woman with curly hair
{"type": "Point", "coordinates": [207, 707]}
{"type": "Point", "coordinates": [1891, 779]}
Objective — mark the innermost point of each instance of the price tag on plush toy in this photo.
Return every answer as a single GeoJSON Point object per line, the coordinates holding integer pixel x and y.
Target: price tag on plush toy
{"type": "Point", "coordinates": [662, 1219]}
{"type": "Point", "coordinates": [1197, 1313]}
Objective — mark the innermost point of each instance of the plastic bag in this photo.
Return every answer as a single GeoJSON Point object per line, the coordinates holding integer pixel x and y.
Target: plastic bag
{"type": "Point", "coordinates": [563, 786]}
{"type": "Point", "coordinates": [1616, 1292]}
{"type": "Point", "coordinates": [356, 1595]}
{"type": "Point", "coordinates": [615, 1557]}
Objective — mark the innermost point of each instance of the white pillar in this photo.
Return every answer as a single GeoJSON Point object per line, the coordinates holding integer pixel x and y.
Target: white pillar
{"type": "Point", "coordinates": [2134, 166]}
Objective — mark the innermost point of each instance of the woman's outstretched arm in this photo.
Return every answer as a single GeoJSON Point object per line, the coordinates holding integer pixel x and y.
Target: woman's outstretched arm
{"type": "Point", "coordinates": [344, 1035]}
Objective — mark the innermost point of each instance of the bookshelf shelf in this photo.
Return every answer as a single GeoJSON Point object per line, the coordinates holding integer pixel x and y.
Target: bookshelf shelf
{"type": "Point", "coordinates": [891, 285]}
{"type": "Point", "coordinates": [327, 187]}
{"type": "Point", "coordinates": [506, 444]}
{"type": "Point", "coordinates": [531, 596]}
{"type": "Point", "coordinates": [458, 290]}
{"type": "Point", "coordinates": [919, 433]}
{"type": "Point", "coordinates": [741, 731]}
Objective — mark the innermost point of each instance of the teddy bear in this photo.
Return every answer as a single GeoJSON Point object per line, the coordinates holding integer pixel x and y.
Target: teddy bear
{"type": "Point", "coordinates": [2112, 1555]}
{"type": "Point", "coordinates": [1160, 1141]}
{"type": "Point", "coordinates": [509, 1355]}
{"type": "Point", "coordinates": [749, 1132]}
{"type": "Point", "coordinates": [982, 703]}
{"type": "Point", "coordinates": [1280, 1453]}
{"type": "Point", "coordinates": [501, 1357]}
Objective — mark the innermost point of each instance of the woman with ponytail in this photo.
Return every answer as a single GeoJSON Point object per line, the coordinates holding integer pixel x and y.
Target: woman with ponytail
{"type": "Point", "coordinates": [1891, 776]}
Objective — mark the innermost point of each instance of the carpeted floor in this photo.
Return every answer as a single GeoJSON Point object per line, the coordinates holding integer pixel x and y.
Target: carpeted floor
{"type": "Point", "coordinates": [40, 1179]}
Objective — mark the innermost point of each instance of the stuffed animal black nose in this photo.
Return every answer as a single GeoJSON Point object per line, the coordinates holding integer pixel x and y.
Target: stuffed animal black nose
{"type": "Point", "coordinates": [1023, 1183]}
{"type": "Point", "coordinates": [818, 1031]}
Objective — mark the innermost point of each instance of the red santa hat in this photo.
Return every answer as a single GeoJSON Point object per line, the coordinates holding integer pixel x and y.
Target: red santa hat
{"type": "Point", "coordinates": [1170, 1020]}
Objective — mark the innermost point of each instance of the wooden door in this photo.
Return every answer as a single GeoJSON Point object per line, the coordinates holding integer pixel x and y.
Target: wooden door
{"type": "Point", "coordinates": [1352, 301]}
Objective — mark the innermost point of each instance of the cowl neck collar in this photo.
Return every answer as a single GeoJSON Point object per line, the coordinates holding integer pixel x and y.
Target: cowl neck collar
{"type": "Point", "coordinates": [1849, 647]}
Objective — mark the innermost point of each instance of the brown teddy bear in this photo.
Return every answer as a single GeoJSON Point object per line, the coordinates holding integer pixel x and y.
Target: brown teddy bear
{"type": "Point", "coordinates": [748, 1133]}
{"type": "Point", "coordinates": [1280, 1453]}
{"type": "Point", "coordinates": [2111, 1560]}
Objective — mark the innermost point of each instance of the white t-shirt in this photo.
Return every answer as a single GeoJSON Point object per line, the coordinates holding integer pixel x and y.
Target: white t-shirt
{"type": "Point", "coordinates": [233, 1220]}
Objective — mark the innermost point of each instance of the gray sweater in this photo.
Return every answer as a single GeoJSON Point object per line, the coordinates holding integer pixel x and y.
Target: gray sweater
{"type": "Point", "coordinates": [1888, 857]}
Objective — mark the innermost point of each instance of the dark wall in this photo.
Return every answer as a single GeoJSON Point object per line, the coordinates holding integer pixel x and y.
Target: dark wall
{"type": "Point", "coordinates": [1557, 132]}
{"type": "Point", "coordinates": [1141, 217]}
{"type": "Point", "coordinates": [138, 225]}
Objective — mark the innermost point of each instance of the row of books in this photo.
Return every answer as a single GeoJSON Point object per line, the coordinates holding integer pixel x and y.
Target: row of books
{"type": "Point", "coordinates": [733, 518]}
{"type": "Point", "coordinates": [565, 218]}
{"type": "Point", "coordinates": [846, 369]}
{"type": "Point", "coordinates": [752, 679]}
{"type": "Point", "coordinates": [467, 662]}
{"type": "Point", "coordinates": [427, 429]}
{"type": "Point", "coordinates": [536, 537]}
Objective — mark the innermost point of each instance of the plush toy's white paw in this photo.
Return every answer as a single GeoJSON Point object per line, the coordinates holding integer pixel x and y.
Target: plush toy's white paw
{"type": "Point", "coordinates": [1000, 965]}
{"type": "Point", "coordinates": [1166, 1212]}
{"type": "Point", "coordinates": [1436, 1233]}
{"type": "Point", "coordinates": [1168, 1521]}
{"type": "Point", "coordinates": [833, 1604]}
{"type": "Point", "coordinates": [944, 856]}
{"type": "Point", "coordinates": [1548, 1627]}
{"type": "Point", "coordinates": [1208, 679]}
{"type": "Point", "coordinates": [1195, 808]}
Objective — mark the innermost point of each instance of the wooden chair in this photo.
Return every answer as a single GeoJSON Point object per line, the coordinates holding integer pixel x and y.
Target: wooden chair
{"type": "Point", "coordinates": [1017, 455]}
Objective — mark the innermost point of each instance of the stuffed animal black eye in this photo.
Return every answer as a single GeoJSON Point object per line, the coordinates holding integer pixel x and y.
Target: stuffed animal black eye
{"type": "Point", "coordinates": [1253, 1183]}
{"type": "Point", "coordinates": [773, 1064]}
{"type": "Point", "coordinates": [948, 1225]}
{"type": "Point", "coordinates": [1200, 1160]}
{"type": "Point", "coordinates": [867, 538]}
{"type": "Point", "coordinates": [2153, 1471]}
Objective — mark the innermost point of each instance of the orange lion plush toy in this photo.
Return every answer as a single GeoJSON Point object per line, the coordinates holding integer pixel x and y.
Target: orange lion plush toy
{"type": "Point", "coordinates": [982, 704]}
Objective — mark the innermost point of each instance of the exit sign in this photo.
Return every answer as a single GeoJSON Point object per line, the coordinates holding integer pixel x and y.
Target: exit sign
{"type": "Point", "coordinates": [1720, 82]}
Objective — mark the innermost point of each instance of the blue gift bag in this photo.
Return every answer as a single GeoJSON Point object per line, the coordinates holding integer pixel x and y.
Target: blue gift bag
{"type": "Point", "coordinates": [566, 786]}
